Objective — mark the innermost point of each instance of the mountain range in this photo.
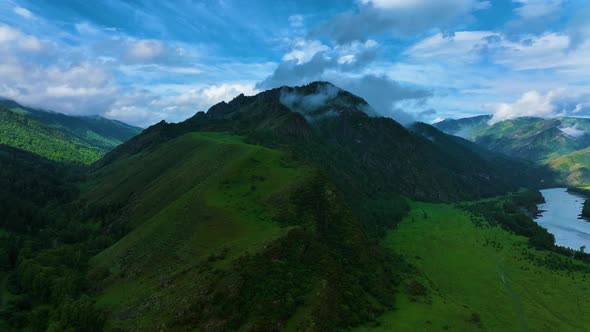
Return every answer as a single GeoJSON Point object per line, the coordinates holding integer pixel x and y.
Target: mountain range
{"type": "Point", "coordinates": [59, 137]}
{"type": "Point", "coordinates": [296, 209]}
{"type": "Point", "coordinates": [560, 143]}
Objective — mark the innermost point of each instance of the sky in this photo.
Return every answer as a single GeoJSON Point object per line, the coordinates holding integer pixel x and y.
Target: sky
{"type": "Point", "coordinates": [142, 61]}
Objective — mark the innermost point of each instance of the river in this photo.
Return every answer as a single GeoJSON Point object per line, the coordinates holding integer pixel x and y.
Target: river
{"type": "Point", "coordinates": [560, 216]}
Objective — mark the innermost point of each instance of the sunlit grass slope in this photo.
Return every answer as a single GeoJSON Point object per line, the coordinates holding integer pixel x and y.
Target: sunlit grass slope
{"type": "Point", "coordinates": [60, 137]}
{"type": "Point", "coordinates": [575, 167]}
{"type": "Point", "coordinates": [465, 277]}
{"type": "Point", "coordinates": [194, 203]}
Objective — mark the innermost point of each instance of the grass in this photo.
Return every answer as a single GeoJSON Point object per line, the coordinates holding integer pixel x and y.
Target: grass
{"type": "Point", "coordinates": [574, 167]}
{"type": "Point", "coordinates": [203, 202]}
{"type": "Point", "coordinates": [478, 279]}
{"type": "Point", "coordinates": [59, 137]}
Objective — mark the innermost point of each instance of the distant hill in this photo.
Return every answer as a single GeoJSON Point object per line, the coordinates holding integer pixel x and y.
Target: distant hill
{"type": "Point", "coordinates": [464, 127]}
{"type": "Point", "coordinates": [59, 137]}
{"type": "Point", "coordinates": [575, 166]}
{"type": "Point", "coordinates": [556, 142]}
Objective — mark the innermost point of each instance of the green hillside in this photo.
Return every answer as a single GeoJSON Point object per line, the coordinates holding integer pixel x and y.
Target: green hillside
{"type": "Point", "coordinates": [214, 225]}
{"type": "Point", "coordinates": [530, 138]}
{"type": "Point", "coordinates": [533, 139]}
{"type": "Point", "coordinates": [575, 166]}
{"type": "Point", "coordinates": [465, 275]}
{"type": "Point", "coordinates": [464, 127]}
{"type": "Point", "coordinates": [369, 158]}
{"type": "Point", "coordinates": [60, 137]}
{"type": "Point", "coordinates": [560, 143]}
{"type": "Point", "coordinates": [201, 207]}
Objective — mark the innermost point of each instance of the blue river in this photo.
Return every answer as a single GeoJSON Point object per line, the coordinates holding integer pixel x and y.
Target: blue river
{"type": "Point", "coordinates": [561, 217]}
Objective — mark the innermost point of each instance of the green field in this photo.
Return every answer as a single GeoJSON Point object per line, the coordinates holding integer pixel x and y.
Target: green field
{"type": "Point", "coordinates": [478, 278]}
{"type": "Point", "coordinates": [205, 201]}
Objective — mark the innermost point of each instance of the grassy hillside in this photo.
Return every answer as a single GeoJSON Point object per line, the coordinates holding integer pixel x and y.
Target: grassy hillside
{"type": "Point", "coordinates": [60, 137]}
{"type": "Point", "coordinates": [533, 139]}
{"type": "Point", "coordinates": [227, 235]}
{"type": "Point", "coordinates": [371, 159]}
{"type": "Point", "coordinates": [465, 127]}
{"type": "Point", "coordinates": [561, 143]}
{"type": "Point", "coordinates": [575, 167]}
{"type": "Point", "coordinates": [201, 198]}
{"type": "Point", "coordinates": [465, 275]}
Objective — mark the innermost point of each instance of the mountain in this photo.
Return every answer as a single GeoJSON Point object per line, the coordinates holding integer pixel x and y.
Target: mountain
{"type": "Point", "coordinates": [575, 166]}
{"type": "Point", "coordinates": [343, 139]}
{"type": "Point", "coordinates": [464, 127]}
{"type": "Point", "coordinates": [58, 136]}
{"type": "Point", "coordinates": [265, 213]}
{"type": "Point", "coordinates": [221, 234]}
{"type": "Point", "coordinates": [556, 142]}
{"type": "Point", "coordinates": [291, 186]}
{"type": "Point", "coordinates": [530, 138]}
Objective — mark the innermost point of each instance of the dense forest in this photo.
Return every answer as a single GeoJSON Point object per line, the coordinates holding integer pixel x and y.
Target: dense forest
{"type": "Point", "coordinates": [43, 251]}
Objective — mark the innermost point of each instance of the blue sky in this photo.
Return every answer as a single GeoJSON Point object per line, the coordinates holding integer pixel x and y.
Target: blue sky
{"type": "Point", "coordinates": [144, 61]}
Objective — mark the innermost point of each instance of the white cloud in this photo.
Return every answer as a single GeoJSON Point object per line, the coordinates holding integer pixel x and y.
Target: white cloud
{"type": "Point", "coordinates": [546, 51]}
{"type": "Point", "coordinates": [173, 103]}
{"type": "Point", "coordinates": [8, 34]}
{"type": "Point", "coordinates": [347, 59]}
{"type": "Point", "coordinates": [303, 50]}
{"type": "Point", "coordinates": [75, 88]}
{"type": "Point", "coordinates": [573, 131]}
{"type": "Point", "coordinates": [412, 4]}
{"type": "Point", "coordinates": [542, 52]}
{"type": "Point", "coordinates": [23, 12]}
{"type": "Point", "coordinates": [531, 103]}
{"type": "Point", "coordinates": [200, 99]}
{"type": "Point", "coordinates": [461, 45]}
{"type": "Point", "coordinates": [13, 38]}
{"type": "Point", "coordinates": [296, 21]}
{"type": "Point", "coordinates": [84, 28]}
{"type": "Point", "coordinates": [578, 108]}
{"type": "Point", "coordinates": [399, 18]}
{"type": "Point", "coordinates": [145, 50]}
{"type": "Point", "coordinates": [537, 8]}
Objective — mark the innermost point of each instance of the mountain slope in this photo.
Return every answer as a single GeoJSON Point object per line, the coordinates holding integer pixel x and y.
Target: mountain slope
{"type": "Point", "coordinates": [575, 166]}
{"type": "Point", "coordinates": [372, 160]}
{"type": "Point", "coordinates": [228, 235]}
{"type": "Point", "coordinates": [206, 213]}
{"type": "Point", "coordinates": [60, 137]}
{"type": "Point", "coordinates": [530, 138]}
{"type": "Point", "coordinates": [559, 143]}
{"type": "Point", "coordinates": [345, 140]}
{"type": "Point", "coordinates": [465, 127]}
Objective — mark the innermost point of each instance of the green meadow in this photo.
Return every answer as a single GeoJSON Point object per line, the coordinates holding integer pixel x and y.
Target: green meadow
{"type": "Point", "coordinates": [466, 276]}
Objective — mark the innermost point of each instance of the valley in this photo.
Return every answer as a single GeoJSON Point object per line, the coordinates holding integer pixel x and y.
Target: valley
{"type": "Point", "coordinates": [470, 276]}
